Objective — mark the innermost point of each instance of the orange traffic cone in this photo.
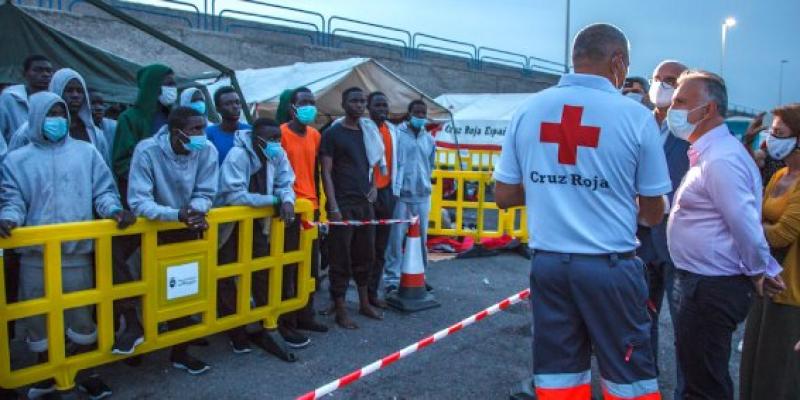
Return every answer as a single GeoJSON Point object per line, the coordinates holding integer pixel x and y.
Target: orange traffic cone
{"type": "Point", "coordinates": [412, 295]}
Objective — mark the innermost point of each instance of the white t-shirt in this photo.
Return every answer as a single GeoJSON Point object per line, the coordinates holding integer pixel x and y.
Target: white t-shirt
{"type": "Point", "coordinates": [583, 152]}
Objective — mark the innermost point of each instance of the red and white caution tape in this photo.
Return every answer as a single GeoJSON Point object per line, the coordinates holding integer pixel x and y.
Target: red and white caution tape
{"type": "Point", "coordinates": [311, 224]}
{"type": "Point", "coordinates": [390, 359]}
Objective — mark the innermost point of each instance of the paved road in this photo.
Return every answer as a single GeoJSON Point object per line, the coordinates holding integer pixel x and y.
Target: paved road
{"type": "Point", "coordinates": [482, 362]}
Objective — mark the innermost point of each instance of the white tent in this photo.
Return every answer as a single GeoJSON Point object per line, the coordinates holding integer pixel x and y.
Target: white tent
{"type": "Point", "coordinates": [479, 119]}
{"type": "Point", "coordinates": [262, 87]}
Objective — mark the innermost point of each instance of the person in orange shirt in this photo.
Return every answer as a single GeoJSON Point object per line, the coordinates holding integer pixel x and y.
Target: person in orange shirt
{"type": "Point", "coordinates": [301, 142]}
{"type": "Point", "coordinates": [378, 107]}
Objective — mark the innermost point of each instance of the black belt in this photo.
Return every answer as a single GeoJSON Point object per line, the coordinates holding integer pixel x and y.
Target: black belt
{"type": "Point", "coordinates": [619, 256]}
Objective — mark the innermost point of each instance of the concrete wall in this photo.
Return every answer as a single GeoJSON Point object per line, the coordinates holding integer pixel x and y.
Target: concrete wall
{"type": "Point", "coordinates": [252, 48]}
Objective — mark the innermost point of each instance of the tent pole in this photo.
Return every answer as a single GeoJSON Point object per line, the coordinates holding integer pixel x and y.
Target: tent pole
{"type": "Point", "coordinates": [176, 44]}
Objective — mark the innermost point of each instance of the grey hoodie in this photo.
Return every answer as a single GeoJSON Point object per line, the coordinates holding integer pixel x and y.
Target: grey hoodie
{"type": "Point", "coordinates": [57, 86]}
{"type": "Point", "coordinates": [415, 162]}
{"type": "Point", "coordinates": [161, 182]}
{"type": "Point", "coordinates": [48, 182]}
{"type": "Point", "coordinates": [13, 110]}
{"type": "Point", "coordinates": [241, 164]}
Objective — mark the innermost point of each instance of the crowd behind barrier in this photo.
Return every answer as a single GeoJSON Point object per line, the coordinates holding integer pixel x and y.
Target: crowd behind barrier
{"type": "Point", "coordinates": [177, 280]}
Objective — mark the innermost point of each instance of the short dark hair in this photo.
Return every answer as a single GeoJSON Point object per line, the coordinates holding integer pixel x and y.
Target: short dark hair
{"type": "Point", "coordinates": [374, 95]}
{"type": "Point", "coordinates": [641, 81]}
{"type": "Point", "coordinates": [178, 116]}
{"type": "Point", "coordinates": [301, 89]}
{"type": "Point", "coordinates": [597, 42]}
{"type": "Point", "coordinates": [26, 65]}
{"type": "Point", "coordinates": [416, 102]}
{"type": "Point", "coordinates": [714, 85]}
{"type": "Point", "coordinates": [265, 122]}
{"type": "Point", "coordinates": [222, 91]}
{"type": "Point", "coordinates": [349, 90]}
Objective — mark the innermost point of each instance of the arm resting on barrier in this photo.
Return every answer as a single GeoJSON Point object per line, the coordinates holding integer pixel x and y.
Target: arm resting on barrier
{"type": "Point", "coordinates": [508, 195]}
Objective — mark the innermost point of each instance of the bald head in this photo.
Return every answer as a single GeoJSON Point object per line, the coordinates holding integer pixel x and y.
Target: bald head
{"type": "Point", "coordinates": [597, 43]}
{"type": "Point", "coordinates": [668, 72]}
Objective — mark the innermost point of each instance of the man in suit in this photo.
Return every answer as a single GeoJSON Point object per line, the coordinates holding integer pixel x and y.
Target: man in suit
{"type": "Point", "coordinates": [653, 251]}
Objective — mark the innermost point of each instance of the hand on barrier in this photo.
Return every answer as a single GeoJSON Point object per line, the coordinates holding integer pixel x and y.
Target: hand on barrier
{"type": "Point", "coordinates": [5, 227]}
{"type": "Point", "coordinates": [192, 218]}
{"type": "Point", "coordinates": [124, 218]}
{"type": "Point", "coordinates": [287, 212]}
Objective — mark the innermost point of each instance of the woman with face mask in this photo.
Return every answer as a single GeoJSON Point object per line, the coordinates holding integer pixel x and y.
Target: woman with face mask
{"type": "Point", "coordinates": [770, 370]}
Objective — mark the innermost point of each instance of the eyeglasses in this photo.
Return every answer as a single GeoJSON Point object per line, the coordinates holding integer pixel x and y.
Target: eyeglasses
{"type": "Point", "coordinates": [671, 82]}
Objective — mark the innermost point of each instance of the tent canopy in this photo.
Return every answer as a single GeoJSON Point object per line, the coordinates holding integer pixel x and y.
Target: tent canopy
{"type": "Point", "coordinates": [263, 87]}
{"type": "Point", "coordinates": [24, 35]}
{"type": "Point", "coordinates": [479, 119]}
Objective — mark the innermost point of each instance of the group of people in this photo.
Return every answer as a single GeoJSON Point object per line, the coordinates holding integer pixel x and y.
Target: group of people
{"type": "Point", "coordinates": [63, 161]}
{"type": "Point", "coordinates": [680, 212]}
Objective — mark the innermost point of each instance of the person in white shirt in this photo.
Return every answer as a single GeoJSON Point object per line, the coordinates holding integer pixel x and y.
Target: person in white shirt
{"type": "Point", "coordinates": [580, 156]}
{"type": "Point", "coordinates": [715, 237]}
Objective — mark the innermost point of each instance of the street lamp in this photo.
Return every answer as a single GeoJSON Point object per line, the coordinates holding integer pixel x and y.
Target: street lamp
{"type": "Point", "coordinates": [730, 22]}
{"type": "Point", "coordinates": [780, 83]}
{"type": "Point", "coordinates": [566, 43]}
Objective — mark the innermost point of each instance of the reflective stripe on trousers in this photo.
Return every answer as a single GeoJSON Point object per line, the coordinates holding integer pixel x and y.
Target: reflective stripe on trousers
{"type": "Point", "coordinates": [577, 386]}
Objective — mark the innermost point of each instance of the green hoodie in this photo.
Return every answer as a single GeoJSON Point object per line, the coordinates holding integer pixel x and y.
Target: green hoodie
{"type": "Point", "coordinates": [135, 124]}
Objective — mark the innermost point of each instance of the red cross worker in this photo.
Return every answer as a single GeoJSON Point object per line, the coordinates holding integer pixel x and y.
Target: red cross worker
{"type": "Point", "coordinates": [587, 162]}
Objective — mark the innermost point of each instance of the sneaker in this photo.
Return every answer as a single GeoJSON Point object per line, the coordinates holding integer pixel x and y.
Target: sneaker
{"type": "Point", "coordinates": [189, 364]}
{"type": "Point", "coordinates": [294, 339]}
{"type": "Point", "coordinates": [240, 344]}
{"type": "Point", "coordinates": [390, 288]}
{"type": "Point", "coordinates": [95, 388]}
{"type": "Point", "coordinates": [126, 343]}
{"type": "Point", "coordinates": [41, 389]}
{"type": "Point", "coordinates": [429, 288]}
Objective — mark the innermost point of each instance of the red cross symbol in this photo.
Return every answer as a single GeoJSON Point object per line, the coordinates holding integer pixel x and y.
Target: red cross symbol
{"type": "Point", "coordinates": [569, 134]}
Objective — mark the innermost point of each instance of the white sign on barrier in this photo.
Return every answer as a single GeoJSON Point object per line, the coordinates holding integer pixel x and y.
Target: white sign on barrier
{"type": "Point", "coordinates": [183, 280]}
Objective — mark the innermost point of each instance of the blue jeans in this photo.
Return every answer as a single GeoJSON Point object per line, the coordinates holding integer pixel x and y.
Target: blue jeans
{"type": "Point", "coordinates": [397, 236]}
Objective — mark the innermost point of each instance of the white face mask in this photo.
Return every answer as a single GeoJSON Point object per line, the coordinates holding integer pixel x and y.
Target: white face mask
{"type": "Point", "coordinates": [678, 122]}
{"type": "Point", "coordinates": [169, 94]}
{"type": "Point", "coordinates": [780, 148]}
{"type": "Point", "coordinates": [661, 94]}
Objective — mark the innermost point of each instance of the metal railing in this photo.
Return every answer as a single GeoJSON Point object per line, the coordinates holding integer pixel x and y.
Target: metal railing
{"type": "Point", "coordinates": [406, 44]}
{"type": "Point", "coordinates": [130, 6]}
{"type": "Point", "coordinates": [321, 31]}
{"type": "Point", "coordinates": [522, 60]}
{"type": "Point", "coordinates": [318, 39]}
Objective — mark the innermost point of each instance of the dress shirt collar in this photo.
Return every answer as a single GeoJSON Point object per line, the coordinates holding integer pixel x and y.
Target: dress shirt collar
{"type": "Point", "coordinates": [705, 141]}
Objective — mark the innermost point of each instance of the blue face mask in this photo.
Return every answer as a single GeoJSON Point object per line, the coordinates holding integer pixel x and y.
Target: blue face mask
{"type": "Point", "coordinates": [306, 114]}
{"type": "Point", "coordinates": [418, 123]}
{"type": "Point", "coordinates": [272, 150]}
{"type": "Point", "coordinates": [54, 128]}
{"type": "Point", "coordinates": [199, 106]}
{"type": "Point", "coordinates": [196, 143]}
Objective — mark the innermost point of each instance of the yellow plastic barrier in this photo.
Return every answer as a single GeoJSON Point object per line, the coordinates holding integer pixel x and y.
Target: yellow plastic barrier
{"type": "Point", "coordinates": [471, 160]}
{"type": "Point", "coordinates": [152, 289]}
{"type": "Point", "coordinates": [461, 206]}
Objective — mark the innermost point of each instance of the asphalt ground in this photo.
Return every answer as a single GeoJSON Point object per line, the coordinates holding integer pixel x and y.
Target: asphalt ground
{"type": "Point", "coordinates": [484, 361]}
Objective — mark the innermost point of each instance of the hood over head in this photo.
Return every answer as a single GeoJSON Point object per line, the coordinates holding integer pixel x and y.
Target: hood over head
{"type": "Point", "coordinates": [59, 82]}
{"type": "Point", "coordinates": [39, 105]}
